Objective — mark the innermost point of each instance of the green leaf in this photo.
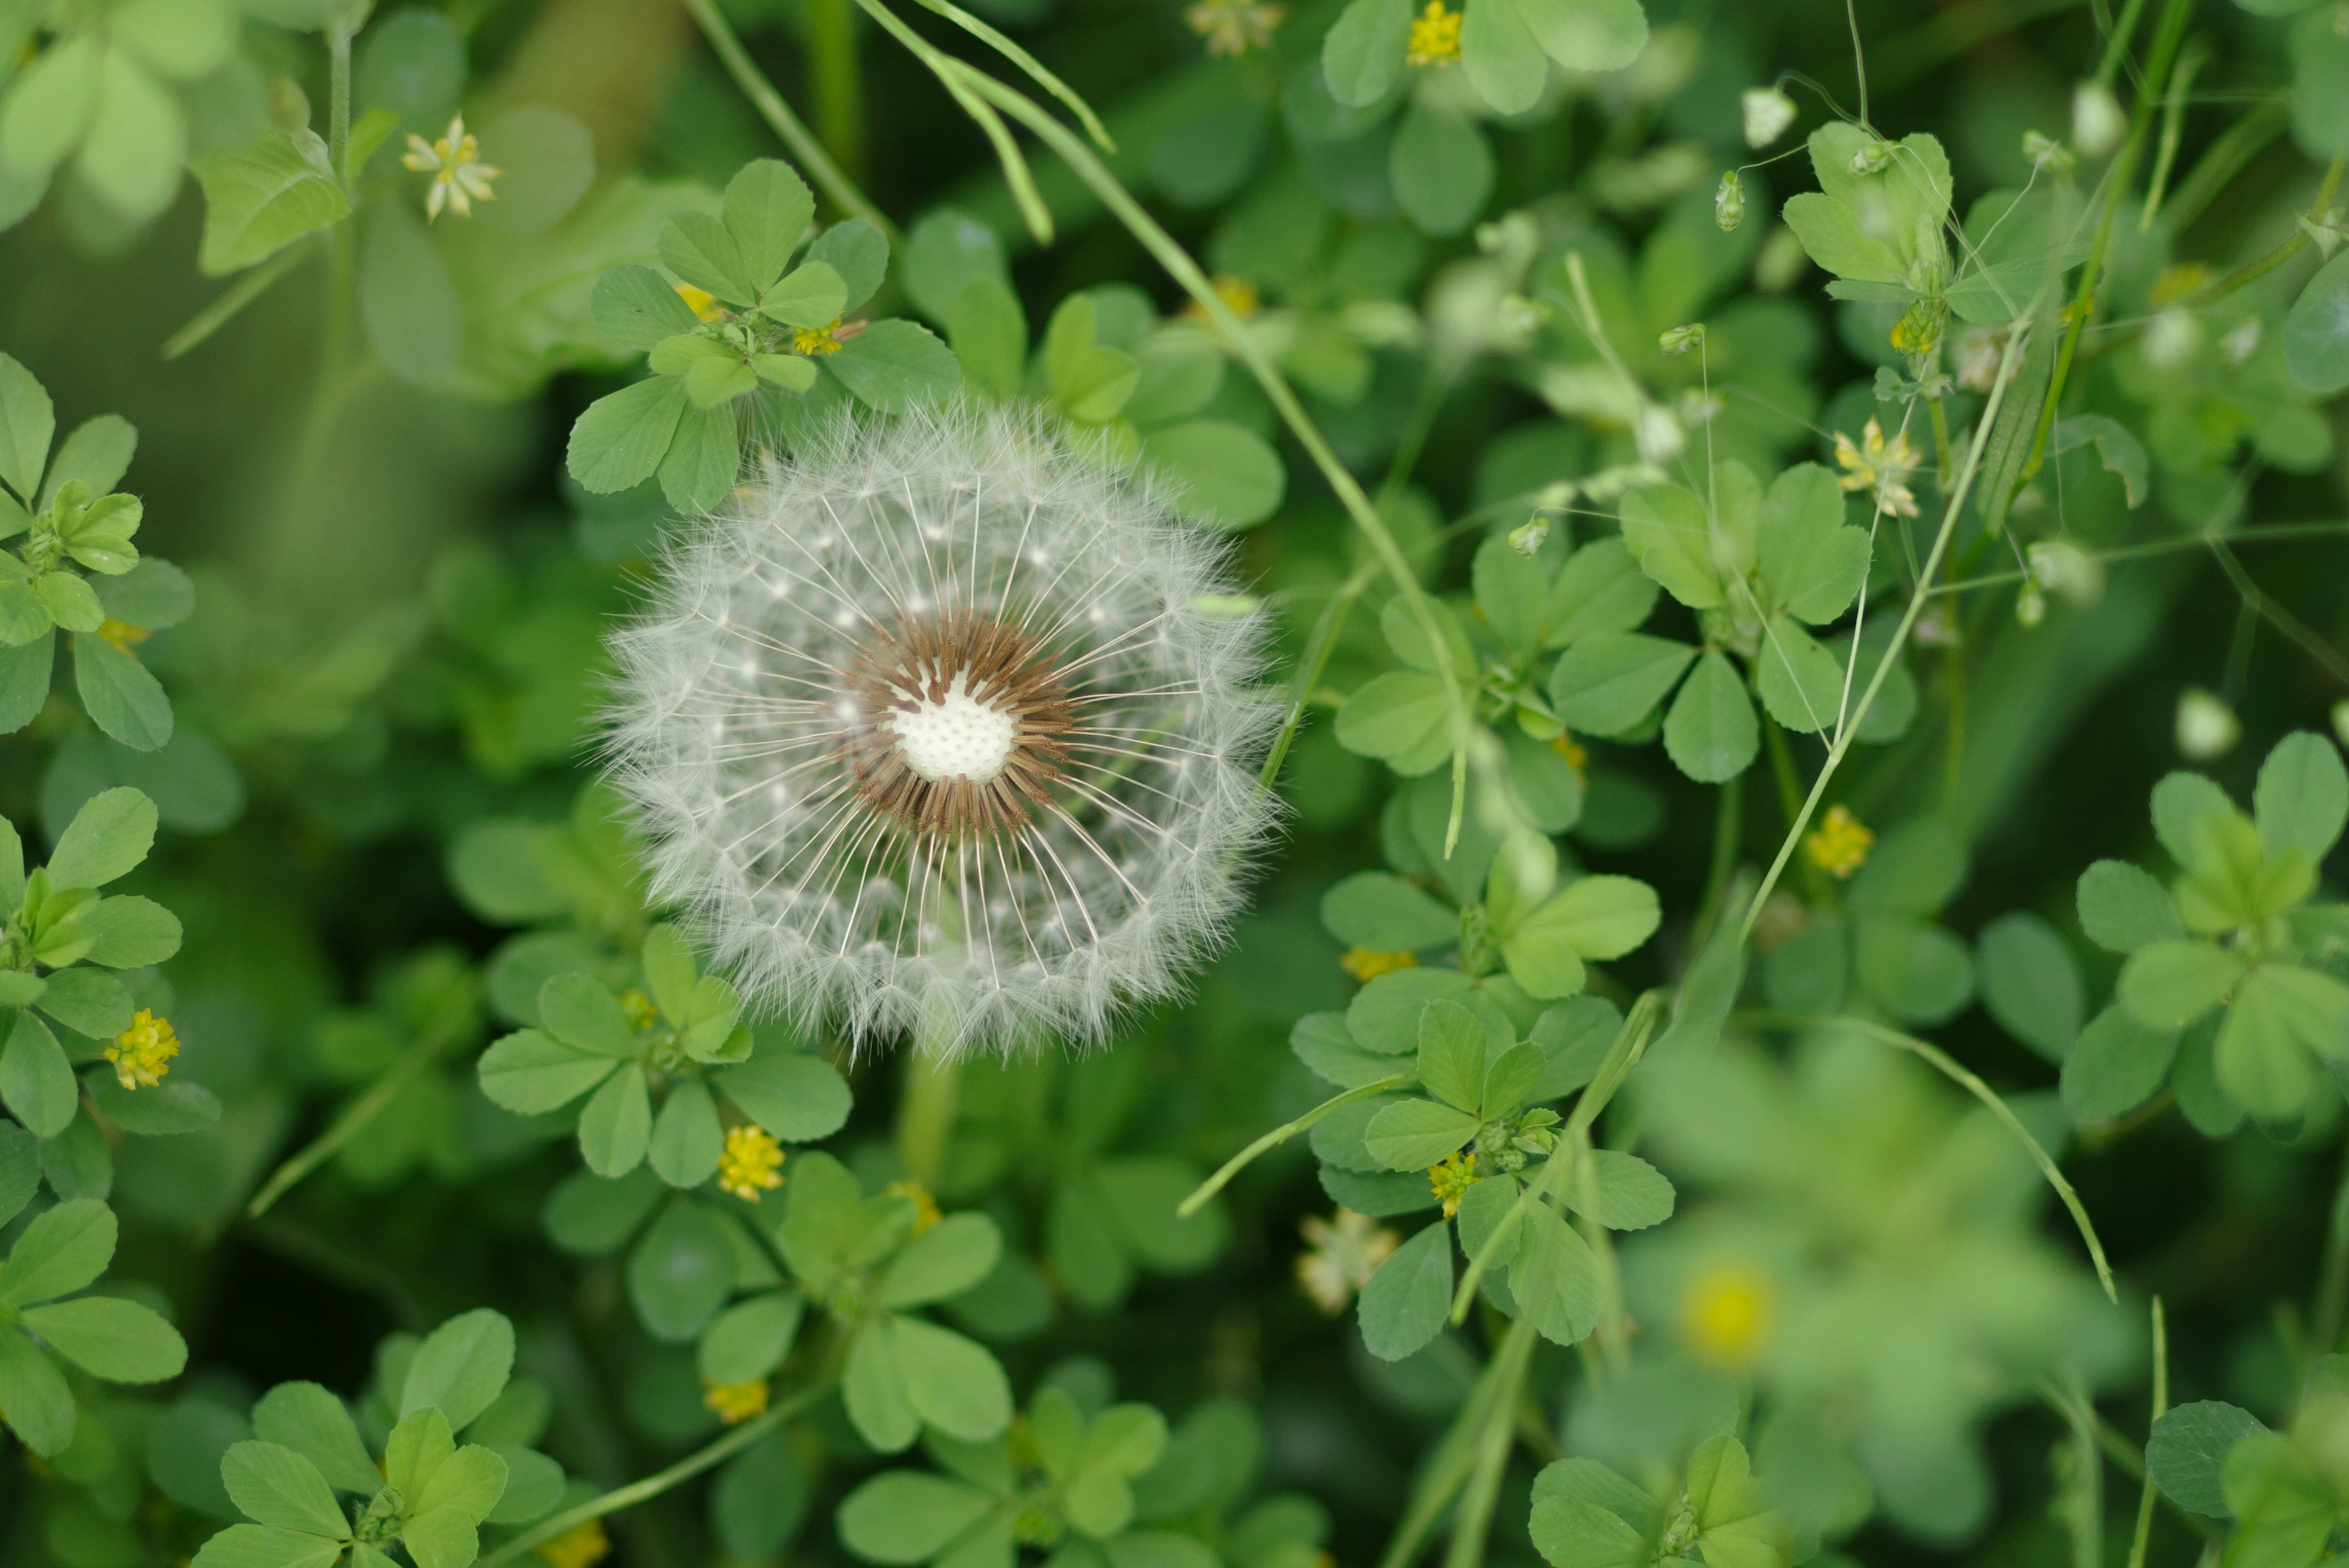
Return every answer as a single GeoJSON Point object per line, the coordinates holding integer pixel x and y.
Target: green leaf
{"type": "Point", "coordinates": [952, 1383]}
{"type": "Point", "coordinates": [874, 1389]}
{"type": "Point", "coordinates": [261, 1546]}
{"type": "Point", "coordinates": [581, 1011]}
{"type": "Point", "coordinates": [1597, 917]}
{"type": "Point", "coordinates": [24, 672]}
{"type": "Point", "coordinates": [1812, 565]}
{"type": "Point", "coordinates": [616, 1124]}
{"type": "Point", "coordinates": [2282, 1019]}
{"type": "Point", "coordinates": [34, 1399]}
{"type": "Point", "coordinates": [70, 600]}
{"type": "Point", "coordinates": [154, 594]}
{"type": "Point", "coordinates": [1599, 589]}
{"type": "Point", "coordinates": [2187, 1452]}
{"type": "Point", "coordinates": [706, 453]}
{"type": "Point", "coordinates": [946, 1260]}
{"type": "Point", "coordinates": [1382, 912]}
{"type": "Point", "coordinates": [1711, 733]}
{"type": "Point", "coordinates": [1555, 1278]}
{"type": "Point", "coordinates": [131, 158]}
{"type": "Point", "coordinates": [1665, 526]}
{"type": "Point", "coordinates": [1802, 684]}
{"type": "Point", "coordinates": [29, 420]}
{"type": "Point", "coordinates": [750, 1339]}
{"type": "Point", "coordinates": [1412, 1135]}
{"type": "Point", "coordinates": [119, 1340]}
{"type": "Point", "coordinates": [1588, 35]}
{"type": "Point", "coordinates": [1572, 1533]}
{"type": "Point", "coordinates": [1384, 1015]}
{"type": "Point", "coordinates": [811, 295]}
{"type": "Point", "coordinates": [462, 1367]}
{"type": "Point", "coordinates": [634, 308]}
{"type": "Point", "coordinates": [262, 199]}
{"type": "Point", "coordinates": [2114, 1065]}
{"type": "Point", "coordinates": [1611, 682]}
{"type": "Point", "coordinates": [314, 1423]}
{"type": "Point", "coordinates": [275, 1486]}
{"type": "Point", "coordinates": [619, 441]}
{"type": "Point", "coordinates": [1404, 1304]}
{"type": "Point", "coordinates": [1226, 476]}
{"type": "Point", "coordinates": [2319, 54]}
{"type": "Point", "coordinates": [1916, 869]}
{"type": "Point", "coordinates": [688, 1140]}
{"type": "Point", "coordinates": [2180, 802]}
{"type": "Point", "coordinates": [2030, 984]}
{"type": "Point", "coordinates": [414, 320]}
{"type": "Point", "coordinates": [534, 1484]}
{"type": "Point", "coordinates": [1441, 167]}
{"type": "Point", "coordinates": [767, 209]}
{"type": "Point", "coordinates": [531, 1074]}
{"type": "Point", "coordinates": [1450, 1061]}
{"type": "Point", "coordinates": [2123, 907]}
{"type": "Point", "coordinates": [680, 1274]}
{"type": "Point", "coordinates": [798, 1098]}
{"type": "Point", "coordinates": [892, 366]}
{"type": "Point", "coordinates": [1500, 58]}
{"type": "Point", "coordinates": [2118, 450]}
{"type": "Point", "coordinates": [1879, 226]}
{"type": "Point", "coordinates": [2317, 329]}
{"type": "Point", "coordinates": [2302, 798]}
{"type": "Point", "coordinates": [704, 252]}
{"type": "Point", "coordinates": [1621, 1191]}
{"type": "Point", "coordinates": [2170, 984]}
{"type": "Point", "coordinates": [946, 250]}
{"type": "Point", "coordinates": [908, 1517]}
{"type": "Point", "coordinates": [859, 253]}
{"type": "Point", "coordinates": [49, 111]}
{"type": "Point", "coordinates": [36, 1081]}
{"type": "Point", "coordinates": [120, 695]}
{"type": "Point", "coordinates": [990, 334]}
{"type": "Point", "coordinates": [87, 1003]}
{"type": "Point", "coordinates": [1362, 56]}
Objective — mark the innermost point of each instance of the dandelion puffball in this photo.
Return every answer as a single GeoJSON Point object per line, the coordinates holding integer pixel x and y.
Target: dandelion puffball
{"type": "Point", "coordinates": [937, 730]}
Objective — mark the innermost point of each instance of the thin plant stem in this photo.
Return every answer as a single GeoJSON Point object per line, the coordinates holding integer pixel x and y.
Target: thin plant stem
{"type": "Point", "coordinates": [2108, 66]}
{"type": "Point", "coordinates": [2282, 619]}
{"type": "Point", "coordinates": [1318, 650]}
{"type": "Point", "coordinates": [659, 1482]}
{"type": "Point", "coordinates": [2144, 1533]}
{"type": "Point", "coordinates": [338, 98]}
{"type": "Point", "coordinates": [2126, 1456]}
{"type": "Point", "coordinates": [2279, 534]}
{"type": "Point", "coordinates": [235, 297]}
{"type": "Point", "coordinates": [1991, 1099]}
{"type": "Point", "coordinates": [837, 82]}
{"type": "Point", "coordinates": [2173, 128]}
{"type": "Point", "coordinates": [2233, 148]}
{"type": "Point", "coordinates": [1728, 834]}
{"type": "Point", "coordinates": [445, 1030]}
{"type": "Point", "coordinates": [2252, 271]}
{"type": "Point", "coordinates": [2332, 1275]}
{"type": "Point", "coordinates": [926, 1112]}
{"type": "Point", "coordinates": [837, 187]}
{"type": "Point", "coordinates": [1179, 265]}
{"type": "Point", "coordinates": [1448, 1468]}
{"type": "Point", "coordinates": [1472, 1523]}
{"type": "Point", "coordinates": [2086, 1504]}
{"type": "Point", "coordinates": [1284, 1132]}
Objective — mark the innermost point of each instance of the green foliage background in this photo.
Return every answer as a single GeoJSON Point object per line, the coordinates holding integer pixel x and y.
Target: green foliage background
{"type": "Point", "coordinates": [359, 1276]}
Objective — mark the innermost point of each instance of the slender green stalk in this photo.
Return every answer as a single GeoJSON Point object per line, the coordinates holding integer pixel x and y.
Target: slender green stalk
{"type": "Point", "coordinates": [1992, 1100]}
{"type": "Point", "coordinates": [1728, 835]}
{"type": "Point", "coordinates": [2086, 1502]}
{"type": "Point", "coordinates": [1455, 1459]}
{"type": "Point", "coordinates": [926, 1112]}
{"type": "Point", "coordinates": [652, 1486]}
{"type": "Point", "coordinates": [447, 1029]}
{"type": "Point", "coordinates": [2117, 46]}
{"type": "Point", "coordinates": [338, 98]}
{"type": "Point", "coordinates": [2332, 1275]}
{"type": "Point", "coordinates": [1318, 650]}
{"type": "Point", "coordinates": [1472, 1525]}
{"type": "Point", "coordinates": [1286, 1131]}
{"type": "Point", "coordinates": [2252, 271]}
{"type": "Point", "coordinates": [2145, 1501]}
{"type": "Point", "coordinates": [236, 296]}
{"type": "Point", "coordinates": [1029, 63]}
{"type": "Point", "coordinates": [836, 81]}
{"type": "Point", "coordinates": [1848, 731]}
{"type": "Point", "coordinates": [2282, 619]}
{"type": "Point", "coordinates": [1177, 262]}
{"type": "Point", "coordinates": [2234, 146]}
{"type": "Point", "coordinates": [2279, 534]}
{"type": "Point", "coordinates": [2173, 128]}
{"type": "Point", "coordinates": [2127, 1458]}
{"type": "Point", "coordinates": [837, 187]}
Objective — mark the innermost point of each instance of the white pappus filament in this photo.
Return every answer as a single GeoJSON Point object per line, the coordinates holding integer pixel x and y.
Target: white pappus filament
{"type": "Point", "coordinates": [925, 730]}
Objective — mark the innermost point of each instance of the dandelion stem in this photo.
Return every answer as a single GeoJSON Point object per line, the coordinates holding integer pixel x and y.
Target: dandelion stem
{"type": "Point", "coordinates": [725, 1447]}
{"type": "Point", "coordinates": [1170, 254]}
{"type": "Point", "coordinates": [926, 1113]}
{"type": "Point", "coordinates": [1286, 1131]}
{"type": "Point", "coordinates": [837, 187]}
{"type": "Point", "coordinates": [1992, 1100]}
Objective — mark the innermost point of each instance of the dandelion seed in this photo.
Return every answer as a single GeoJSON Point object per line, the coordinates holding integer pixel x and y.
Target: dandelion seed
{"type": "Point", "coordinates": [459, 178]}
{"type": "Point", "coordinates": [142, 1053]}
{"type": "Point", "coordinates": [1838, 845]}
{"type": "Point", "coordinates": [1003, 819]}
{"type": "Point", "coordinates": [1434, 36]}
{"type": "Point", "coordinates": [1345, 1250]}
{"type": "Point", "coordinates": [1367, 966]}
{"type": "Point", "coordinates": [751, 1163]}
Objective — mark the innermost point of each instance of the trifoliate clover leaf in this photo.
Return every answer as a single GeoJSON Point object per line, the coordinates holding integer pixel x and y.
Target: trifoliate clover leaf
{"type": "Point", "coordinates": [61, 1252]}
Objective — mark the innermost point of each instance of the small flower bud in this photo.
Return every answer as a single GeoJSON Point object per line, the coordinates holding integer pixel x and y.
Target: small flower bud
{"type": "Point", "coordinates": [2207, 727]}
{"type": "Point", "coordinates": [1680, 339]}
{"type": "Point", "coordinates": [1729, 201]}
{"type": "Point", "coordinates": [1768, 111]}
{"type": "Point", "coordinates": [2045, 152]}
{"type": "Point", "coordinates": [2097, 123]}
{"type": "Point", "coordinates": [2030, 606]}
{"type": "Point", "coordinates": [1871, 158]}
{"type": "Point", "coordinates": [1659, 435]}
{"type": "Point", "coordinates": [2063, 567]}
{"type": "Point", "coordinates": [1528, 537]}
{"type": "Point", "coordinates": [2241, 340]}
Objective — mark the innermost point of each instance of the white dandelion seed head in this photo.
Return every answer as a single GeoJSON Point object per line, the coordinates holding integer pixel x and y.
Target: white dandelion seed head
{"type": "Point", "coordinates": [925, 731]}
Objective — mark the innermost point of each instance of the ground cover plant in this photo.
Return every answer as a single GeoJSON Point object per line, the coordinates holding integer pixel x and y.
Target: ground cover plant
{"type": "Point", "coordinates": [1174, 783]}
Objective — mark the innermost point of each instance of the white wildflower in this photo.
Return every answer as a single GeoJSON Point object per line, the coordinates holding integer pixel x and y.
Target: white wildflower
{"type": "Point", "coordinates": [928, 730]}
{"type": "Point", "coordinates": [1767, 112]}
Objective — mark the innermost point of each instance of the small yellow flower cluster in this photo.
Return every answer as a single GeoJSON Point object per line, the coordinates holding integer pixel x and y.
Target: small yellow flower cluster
{"type": "Point", "coordinates": [1434, 36]}
{"type": "Point", "coordinates": [1838, 845]}
{"type": "Point", "coordinates": [582, 1546]}
{"type": "Point", "coordinates": [1237, 294]}
{"type": "Point", "coordinates": [142, 1053]}
{"type": "Point", "coordinates": [1367, 966]}
{"type": "Point", "coordinates": [700, 301]}
{"type": "Point", "coordinates": [122, 634]}
{"type": "Point", "coordinates": [1346, 1249]}
{"type": "Point", "coordinates": [1451, 1181]}
{"type": "Point", "coordinates": [1576, 755]}
{"type": "Point", "coordinates": [735, 1402]}
{"type": "Point", "coordinates": [1728, 1311]}
{"type": "Point", "coordinates": [1879, 465]}
{"type": "Point", "coordinates": [459, 178]}
{"type": "Point", "coordinates": [752, 1163]}
{"type": "Point", "coordinates": [1235, 27]}
{"type": "Point", "coordinates": [817, 340]}
{"type": "Point", "coordinates": [637, 1007]}
{"type": "Point", "coordinates": [926, 1208]}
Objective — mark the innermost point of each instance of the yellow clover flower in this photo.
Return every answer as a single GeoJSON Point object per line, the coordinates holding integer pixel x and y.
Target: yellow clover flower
{"type": "Point", "coordinates": [752, 1163]}
{"type": "Point", "coordinates": [1367, 966]}
{"type": "Point", "coordinates": [926, 1208]}
{"type": "Point", "coordinates": [1434, 36]}
{"type": "Point", "coordinates": [1727, 1313]}
{"type": "Point", "coordinates": [582, 1546]}
{"type": "Point", "coordinates": [142, 1053]}
{"type": "Point", "coordinates": [1451, 1181]}
{"type": "Point", "coordinates": [735, 1402]}
{"type": "Point", "coordinates": [1838, 845]}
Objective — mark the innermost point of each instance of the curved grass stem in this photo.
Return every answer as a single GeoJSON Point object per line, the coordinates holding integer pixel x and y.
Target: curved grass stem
{"type": "Point", "coordinates": [1286, 1131]}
